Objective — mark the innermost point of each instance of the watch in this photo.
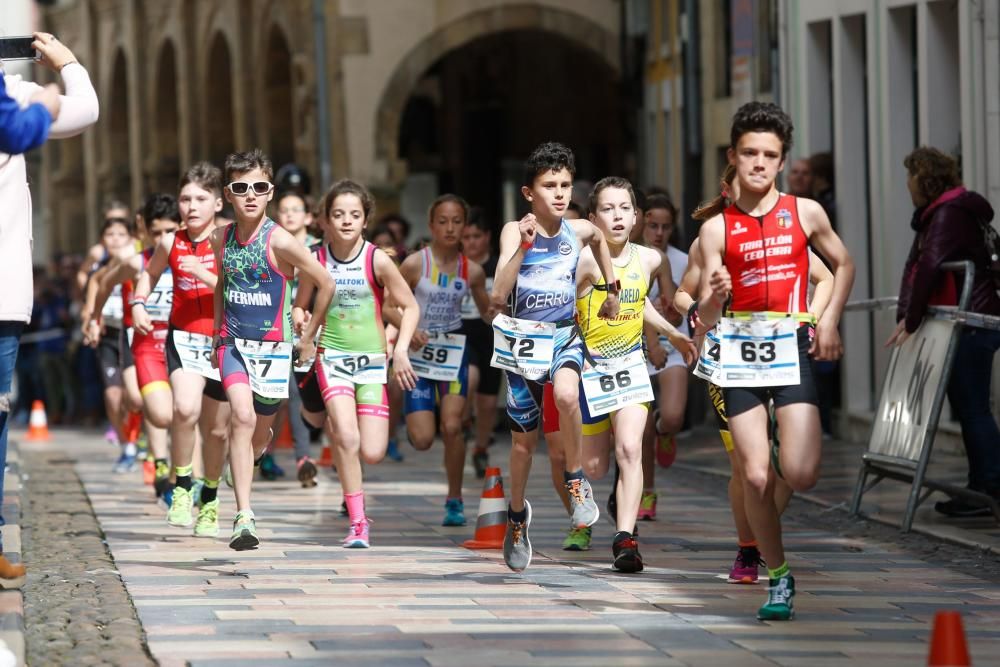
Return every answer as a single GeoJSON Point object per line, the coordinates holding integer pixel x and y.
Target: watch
{"type": "Point", "coordinates": [611, 288]}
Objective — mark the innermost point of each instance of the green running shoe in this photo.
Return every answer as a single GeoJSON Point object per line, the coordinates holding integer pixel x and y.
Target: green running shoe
{"type": "Point", "coordinates": [179, 513]}
{"type": "Point", "coordinates": [207, 524]}
{"type": "Point", "coordinates": [778, 607]}
{"type": "Point", "coordinates": [244, 532]}
{"type": "Point", "coordinates": [577, 539]}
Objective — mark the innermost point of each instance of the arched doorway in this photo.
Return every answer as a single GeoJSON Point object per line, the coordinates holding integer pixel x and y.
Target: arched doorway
{"type": "Point", "coordinates": [478, 111]}
{"type": "Point", "coordinates": [119, 182]}
{"type": "Point", "coordinates": [220, 134]}
{"type": "Point", "coordinates": [166, 139]}
{"type": "Point", "coordinates": [280, 106]}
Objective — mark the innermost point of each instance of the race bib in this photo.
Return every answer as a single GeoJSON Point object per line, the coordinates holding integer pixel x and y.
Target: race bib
{"type": "Point", "coordinates": [161, 299]}
{"type": "Point", "coordinates": [708, 366]}
{"type": "Point", "coordinates": [523, 346]}
{"type": "Point", "coordinates": [354, 367]}
{"type": "Point", "coordinates": [758, 352]}
{"type": "Point", "coordinates": [300, 365]}
{"type": "Point", "coordinates": [195, 351]}
{"type": "Point", "coordinates": [114, 309]}
{"type": "Point", "coordinates": [612, 384]}
{"type": "Point", "coordinates": [669, 348]}
{"type": "Point", "coordinates": [269, 364]}
{"type": "Point", "coordinates": [441, 358]}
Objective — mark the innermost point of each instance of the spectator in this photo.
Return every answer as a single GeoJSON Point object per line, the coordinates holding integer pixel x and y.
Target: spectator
{"type": "Point", "coordinates": [800, 179]}
{"type": "Point", "coordinates": [24, 129]}
{"type": "Point", "coordinates": [400, 228]}
{"type": "Point", "coordinates": [821, 166]}
{"type": "Point", "coordinates": [948, 222]}
{"type": "Point", "coordinates": [77, 110]}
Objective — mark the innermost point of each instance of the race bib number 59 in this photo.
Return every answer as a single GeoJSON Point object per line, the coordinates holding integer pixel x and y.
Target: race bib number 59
{"type": "Point", "coordinates": [523, 346]}
{"type": "Point", "coordinates": [441, 358]}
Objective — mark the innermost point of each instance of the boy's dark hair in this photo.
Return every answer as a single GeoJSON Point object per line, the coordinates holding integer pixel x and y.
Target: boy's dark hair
{"type": "Point", "coordinates": [396, 217]}
{"type": "Point", "coordinates": [346, 186]}
{"type": "Point", "coordinates": [609, 182]}
{"type": "Point", "coordinates": [659, 201]}
{"type": "Point", "coordinates": [240, 163]}
{"type": "Point", "coordinates": [550, 156]}
{"type": "Point", "coordinates": [129, 225]}
{"type": "Point", "coordinates": [114, 205]}
{"type": "Point", "coordinates": [160, 206]}
{"type": "Point", "coordinates": [477, 218]}
{"type": "Point", "coordinates": [762, 117]}
{"type": "Point", "coordinates": [205, 175]}
{"type": "Point", "coordinates": [284, 194]}
{"type": "Point", "coordinates": [444, 199]}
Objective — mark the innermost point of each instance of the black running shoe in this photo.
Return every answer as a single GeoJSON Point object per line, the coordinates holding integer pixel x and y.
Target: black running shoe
{"type": "Point", "coordinates": [626, 552]}
{"type": "Point", "coordinates": [480, 461]}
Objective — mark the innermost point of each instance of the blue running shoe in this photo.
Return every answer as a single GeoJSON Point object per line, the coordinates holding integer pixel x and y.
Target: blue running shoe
{"type": "Point", "coordinates": [392, 451]}
{"type": "Point", "coordinates": [454, 512]}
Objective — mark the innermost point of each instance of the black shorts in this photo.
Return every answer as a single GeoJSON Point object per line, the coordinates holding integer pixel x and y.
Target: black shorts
{"type": "Point", "coordinates": [479, 346]}
{"type": "Point", "coordinates": [309, 391]}
{"type": "Point", "coordinates": [114, 356]}
{"type": "Point", "coordinates": [740, 399]}
{"type": "Point", "coordinates": [213, 388]}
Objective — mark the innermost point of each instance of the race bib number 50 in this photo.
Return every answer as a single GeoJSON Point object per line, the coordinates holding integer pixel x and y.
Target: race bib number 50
{"type": "Point", "coordinates": [758, 352]}
{"type": "Point", "coordinates": [269, 364]}
{"type": "Point", "coordinates": [523, 346]}
{"type": "Point", "coordinates": [354, 367]}
{"type": "Point", "coordinates": [612, 384]}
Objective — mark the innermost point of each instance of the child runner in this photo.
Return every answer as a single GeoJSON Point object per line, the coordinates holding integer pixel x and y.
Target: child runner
{"type": "Point", "coordinates": [756, 258]}
{"type": "Point", "coordinates": [440, 277]}
{"type": "Point", "coordinates": [199, 402]}
{"type": "Point", "coordinates": [484, 379]}
{"type": "Point", "coordinates": [537, 271]}
{"type": "Point", "coordinates": [612, 206]}
{"type": "Point", "coordinates": [252, 339]}
{"type": "Point", "coordinates": [347, 381]}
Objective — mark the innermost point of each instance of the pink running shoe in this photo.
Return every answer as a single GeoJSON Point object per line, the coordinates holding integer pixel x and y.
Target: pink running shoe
{"type": "Point", "coordinates": [745, 566]}
{"type": "Point", "coordinates": [647, 507]}
{"type": "Point", "coordinates": [111, 435]}
{"type": "Point", "coordinates": [357, 536]}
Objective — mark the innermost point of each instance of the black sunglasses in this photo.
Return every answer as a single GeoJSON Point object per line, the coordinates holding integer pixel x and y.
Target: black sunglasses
{"type": "Point", "coordinates": [242, 187]}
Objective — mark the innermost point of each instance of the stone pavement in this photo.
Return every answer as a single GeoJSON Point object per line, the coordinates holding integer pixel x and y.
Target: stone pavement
{"type": "Point", "coordinates": [418, 598]}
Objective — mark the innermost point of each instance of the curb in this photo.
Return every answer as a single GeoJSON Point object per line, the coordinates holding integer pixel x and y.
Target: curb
{"type": "Point", "coordinates": [12, 631]}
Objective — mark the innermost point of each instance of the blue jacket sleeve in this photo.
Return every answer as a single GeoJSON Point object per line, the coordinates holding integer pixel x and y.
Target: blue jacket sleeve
{"type": "Point", "coordinates": [21, 129]}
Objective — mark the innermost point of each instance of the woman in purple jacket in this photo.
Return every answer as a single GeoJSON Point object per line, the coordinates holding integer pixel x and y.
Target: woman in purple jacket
{"type": "Point", "coordinates": [948, 222]}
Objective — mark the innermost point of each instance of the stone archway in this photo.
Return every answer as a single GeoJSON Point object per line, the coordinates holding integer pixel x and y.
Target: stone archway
{"type": "Point", "coordinates": [119, 182]}
{"type": "Point", "coordinates": [567, 24]}
{"type": "Point", "coordinates": [165, 172]}
{"type": "Point", "coordinates": [280, 105]}
{"type": "Point", "coordinates": [220, 133]}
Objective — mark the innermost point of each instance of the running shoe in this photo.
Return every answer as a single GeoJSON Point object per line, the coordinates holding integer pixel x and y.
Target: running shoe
{"type": "Point", "coordinates": [647, 506]}
{"type": "Point", "coordinates": [162, 486]}
{"type": "Point", "coordinates": [179, 513]}
{"type": "Point", "coordinates": [12, 575]}
{"type": "Point", "coordinates": [577, 539]}
{"type": "Point", "coordinates": [581, 497]}
{"type": "Point", "coordinates": [148, 472]}
{"type": "Point", "coordinates": [516, 544]}
{"type": "Point", "coordinates": [778, 607]}
{"type": "Point", "coordinates": [207, 524]}
{"type": "Point", "coordinates": [244, 532]}
{"type": "Point", "coordinates": [480, 461]}
{"type": "Point", "coordinates": [666, 446]}
{"type": "Point", "coordinates": [454, 512]}
{"type": "Point", "coordinates": [111, 436]}
{"type": "Point", "coordinates": [168, 496]}
{"type": "Point", "coordinates": [270, 470]}
{"type": "Point", "coordinates": [161, 474]}
{"type": "Point", "coordinates": [358, 536]}
{"type": "Point", "coordinates": [126, 463]}
{"type": "Point", "coordinates": [307, 472]}
{"type": "Point", "coordinates": [745, 566]}
{"type": "Point", "coordinates": [392, 451]}
{"type": "Point", "coordinates": [625, 550]}
{"type": "Point", "coordinates": [142, 447]}
{"type": "Point", "coordinates": [196, 487]}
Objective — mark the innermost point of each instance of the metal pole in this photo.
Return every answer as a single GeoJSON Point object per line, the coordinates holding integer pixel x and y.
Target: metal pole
{"type": "Point", "coordinates": [322, 91]}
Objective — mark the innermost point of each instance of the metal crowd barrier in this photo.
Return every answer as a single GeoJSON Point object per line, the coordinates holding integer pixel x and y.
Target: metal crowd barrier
{"type": "Point", "coordinates": [906, 421]}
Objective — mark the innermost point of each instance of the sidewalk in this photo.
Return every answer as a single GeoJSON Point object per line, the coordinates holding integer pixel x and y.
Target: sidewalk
{"type": "Point", "coordinates": [886, 502]}
{"type": "Point", "coordinates": [417, 598]}
{"type": "Point", "coordinates": [12, 602]}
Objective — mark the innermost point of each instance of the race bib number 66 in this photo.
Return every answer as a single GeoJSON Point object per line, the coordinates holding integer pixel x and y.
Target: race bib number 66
{"type": "Point", "coordinates": [612, 384]}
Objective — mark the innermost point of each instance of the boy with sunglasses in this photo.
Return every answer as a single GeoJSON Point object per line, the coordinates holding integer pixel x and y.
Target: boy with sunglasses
{"type": "Point", "coordinates": [252, 334]}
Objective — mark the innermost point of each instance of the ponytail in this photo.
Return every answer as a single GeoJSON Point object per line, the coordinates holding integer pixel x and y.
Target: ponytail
{"type": "Point", "coordinates": [715, 206]}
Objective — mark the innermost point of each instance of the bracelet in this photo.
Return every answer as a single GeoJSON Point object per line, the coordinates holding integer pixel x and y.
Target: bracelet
{"type": "Point", "coordinates": [526, 245]}
{"type": "Point", "coordinates": [137, 299]}
{"type": "Point", "coordinates": [66, 64]}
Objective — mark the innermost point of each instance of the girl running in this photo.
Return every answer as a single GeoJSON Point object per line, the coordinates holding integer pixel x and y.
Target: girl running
{"type": "Point", "coordinates": [347, 382]}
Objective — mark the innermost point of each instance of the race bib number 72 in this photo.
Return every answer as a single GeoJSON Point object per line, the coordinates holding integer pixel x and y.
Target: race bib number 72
{"type": "Point", "coordinates": [523, 347]}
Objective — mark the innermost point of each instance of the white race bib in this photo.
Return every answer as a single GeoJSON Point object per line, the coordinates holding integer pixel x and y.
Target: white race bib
{"type": "Point", "coordinates": [114, 309]}
{"type": "Point", "coordinates": [441, 358]}
{"type": "Point", "coordinates": [708, 367]}
{"type": "Point", "coordinates": [758, 352]}
{"type": "Point", "coordinates": [611, 384]}
{"type": "Point", "coordinates": [160, 300]}
{"type": "Point", "coordinates": [269, 364]}
{"type": "Point", "coordinates": [354, 367]}
{"type": "Point", "coordinates": [523, 346]}
{"type": "Point", "coordinates": [195, 351]}
{"type": "Point", "coordinates": [668, 348]}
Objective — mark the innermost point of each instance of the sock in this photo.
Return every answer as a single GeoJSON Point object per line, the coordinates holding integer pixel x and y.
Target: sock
{"type": "Point", "coordinates": [778, 572]}
{"type": "Point", "coordinates": [620, 535]}
{"type": "Point", "coordinates": [355, 506]}
{"type": "Point", "coordinates": [129, 448]}
{"type": "Point", "coordinates": [210, 491]}
{"type": "Point", "coordinates": [183, 477]}
{"type": "Point", "coordinates": [572, 476]}
{"type": "Point", "coordinates": [517, 517]}
{"type": "Point", "coordinates": [747, 545]}
{"type": "Point", "coordinates": [160, 462]}
{"type": "Point", "coordinates": [133, 424]}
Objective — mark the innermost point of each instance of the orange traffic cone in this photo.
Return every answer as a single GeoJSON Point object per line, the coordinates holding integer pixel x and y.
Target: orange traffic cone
{"type": "Point", "coordinates": [38, 425]}
{"type": "Point", "coordinates": [284, 440]}
{"type": "Point", "coordinates": [326, 456]}
{"type": "Point", "coordinates": [491, 522]}
{"type": "Point", "coordinates": [948, 647]}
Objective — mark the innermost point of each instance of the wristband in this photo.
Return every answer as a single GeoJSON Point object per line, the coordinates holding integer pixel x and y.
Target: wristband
{"type": "Point", "coordinates": [526, 245]}
{"type": "Point", "coordinates": [137, 299]}
{"type": "Point", "coordinates": [612, 288]}
{"type": "Point", "coordinates": [692, 316]}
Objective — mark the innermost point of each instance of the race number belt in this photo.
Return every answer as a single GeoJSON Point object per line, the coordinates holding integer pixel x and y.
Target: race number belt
{"type": "Point", "coordinates": [441, 358]}
{"type": "Point", "coordinates": [523, 347]}
{"type": "Point", "coordinates": [160, 300]}
{"type": "Point", "coordinates": [269, 364]}
{"type": "Point", "coordinates": [359, 368]}
{"type": "Point", "coordinates": [611, 384]}
{"type": "Point", "coordinates": [195, 351]}
{"type": "Point", "coordinates": [114, 309]}
{"type": "Point", "coordinates": [708, 367]}
{"type": "Point", "coordinates": [759, 352]}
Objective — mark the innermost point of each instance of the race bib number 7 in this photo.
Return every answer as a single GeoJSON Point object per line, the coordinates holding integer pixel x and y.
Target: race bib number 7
{"type": "Point", "coordinates": [758, 352]}
{"type": "Point", "coordinates": [269, 364]}
{"type": "Point", "coordinates": [523, 346]}
{"type": "Point", "coordinates": [612, 384]}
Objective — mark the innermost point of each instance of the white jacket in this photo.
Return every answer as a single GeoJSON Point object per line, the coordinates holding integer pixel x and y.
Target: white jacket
{"type": "Point", "coordinates": [78, 111]}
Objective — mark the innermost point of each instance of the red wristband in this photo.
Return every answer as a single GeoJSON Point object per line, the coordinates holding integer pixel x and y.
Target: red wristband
{"type": "Point", "coordinates": [526, 245]}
